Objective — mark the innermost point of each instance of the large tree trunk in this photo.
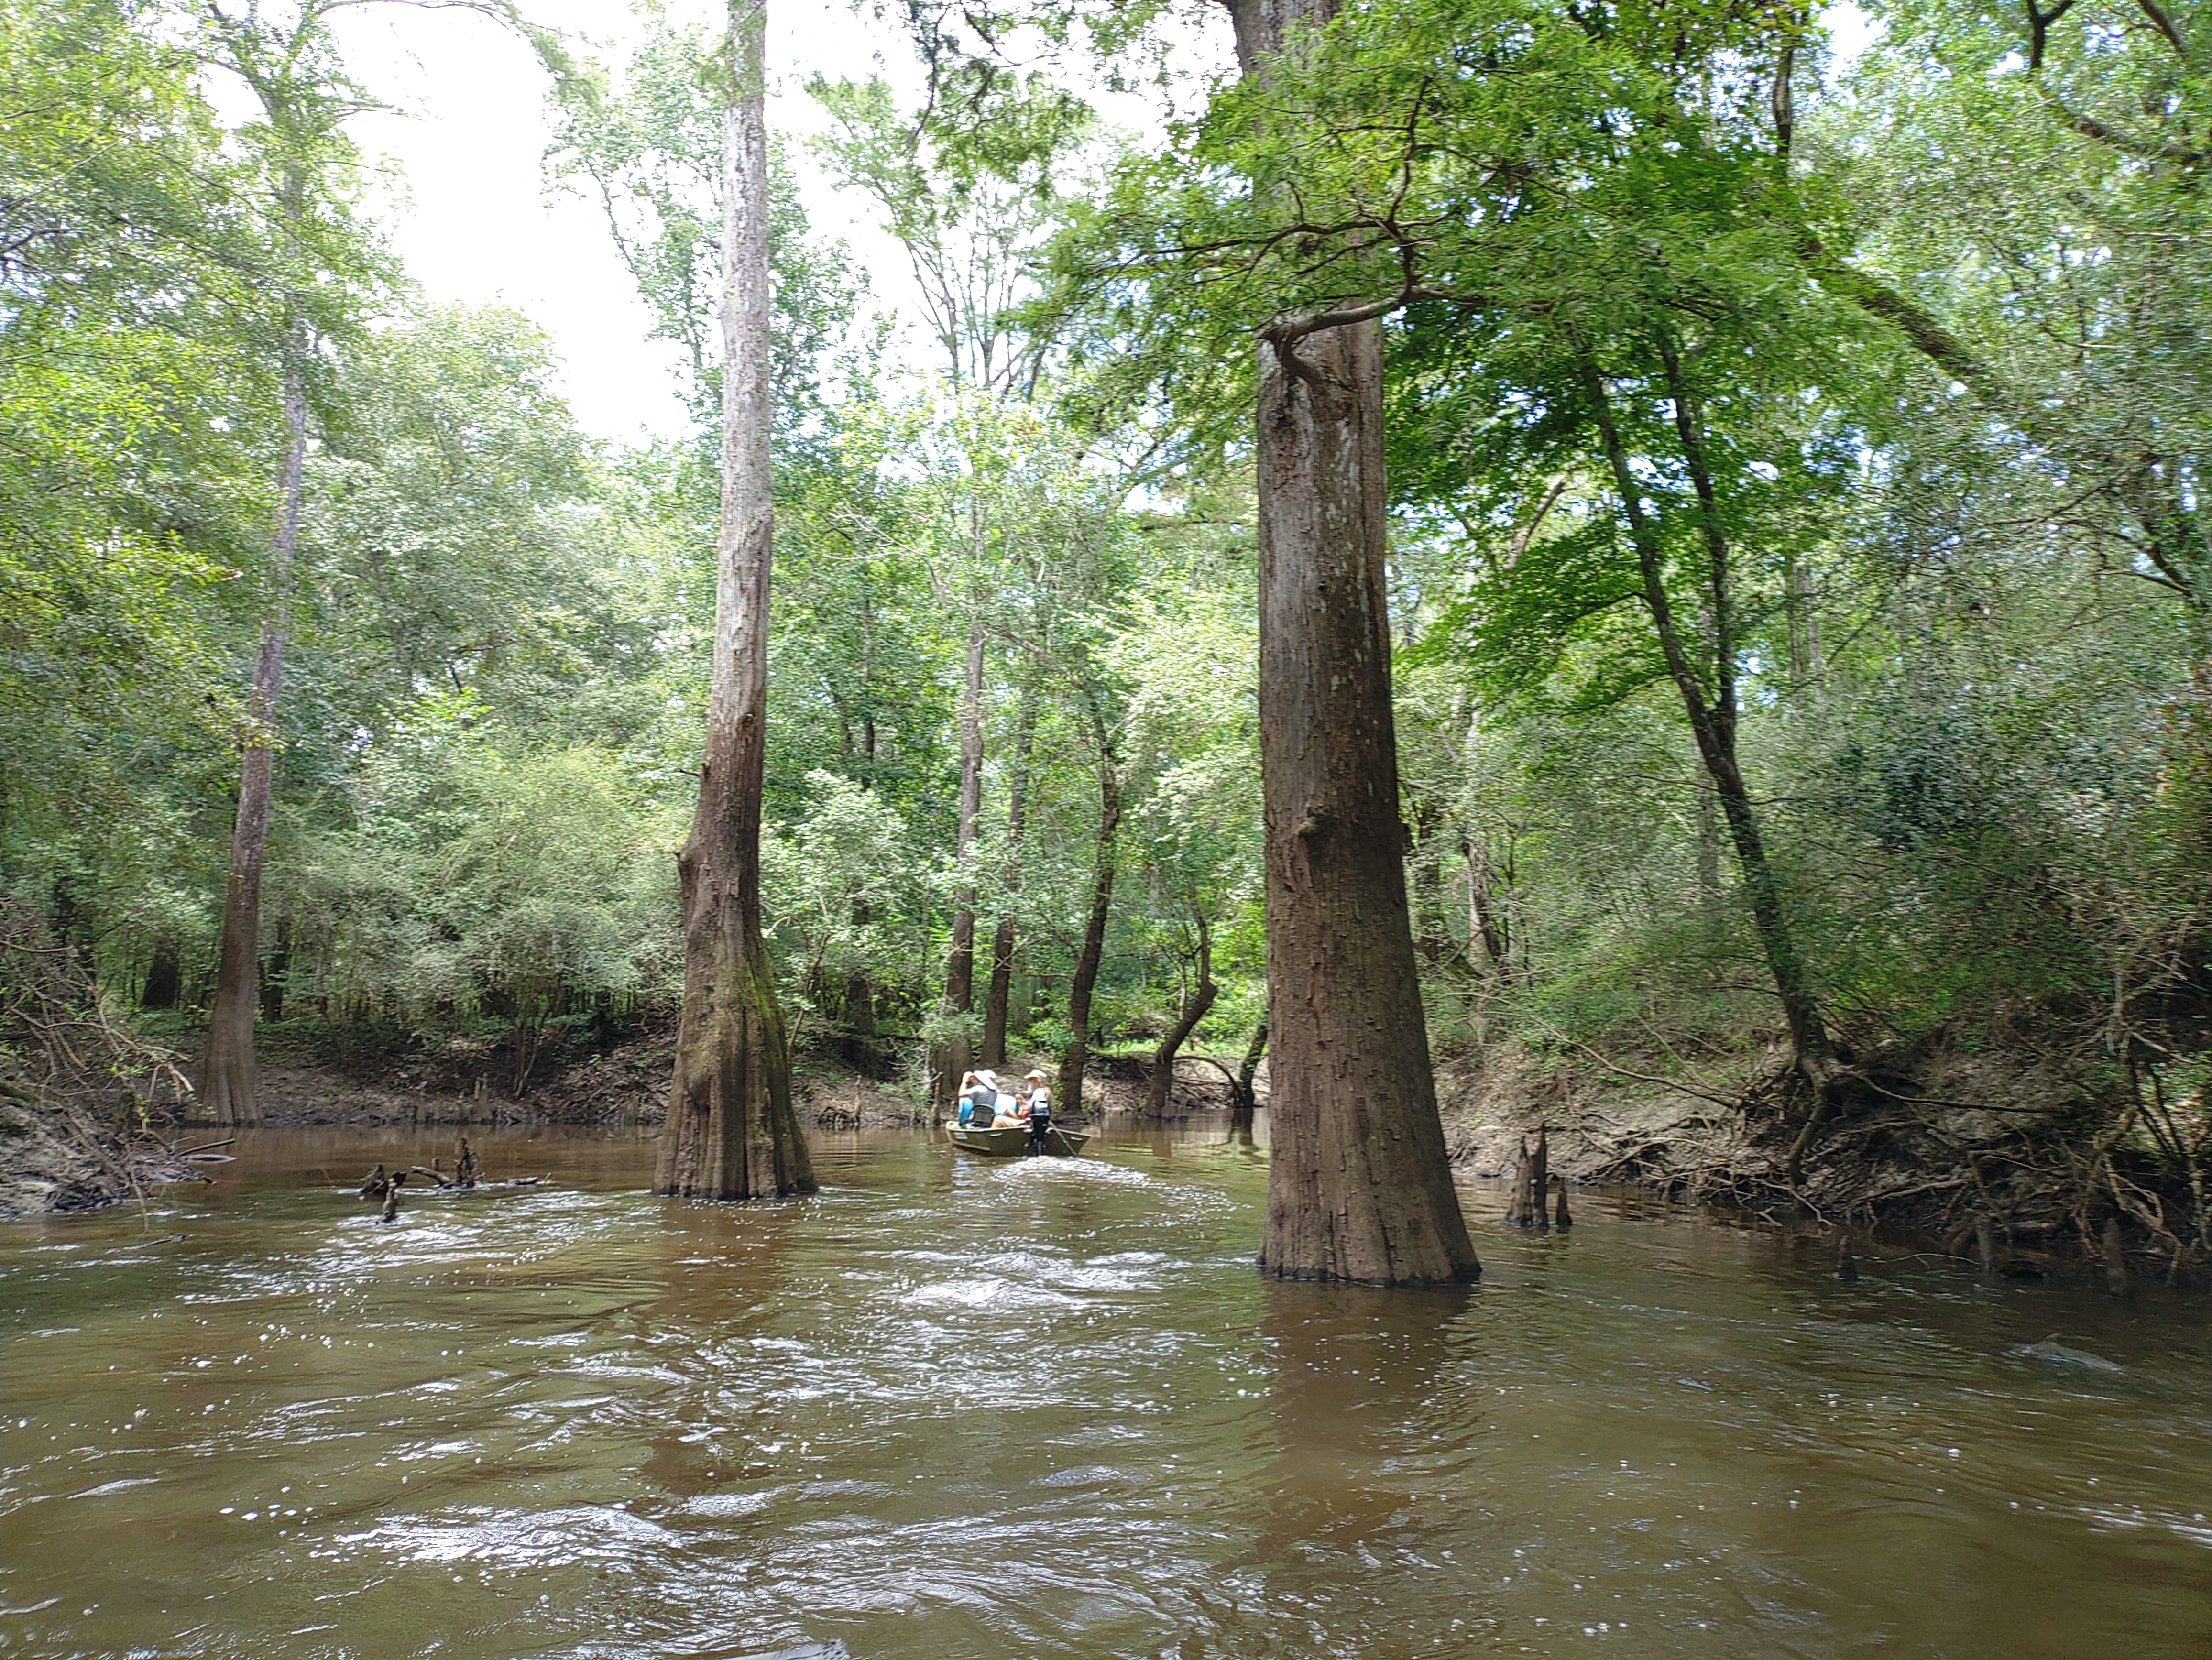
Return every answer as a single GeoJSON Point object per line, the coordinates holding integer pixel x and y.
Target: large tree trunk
{"type": "Point", "coordinates": [731, 1132]}
{"type": "Point", "coordinates": [1194, 1007]}
{"type": "Point", "coordinates": [228, 1077]}
{"type": "Point", "coordinates": [995, 1000]}
{"type": "Point", "coordinates": [1360, 1185]}
{"type": "Point", "coordinates": [957, 1054]}
{"type": "Point", "coordinates": [1068, 1094]}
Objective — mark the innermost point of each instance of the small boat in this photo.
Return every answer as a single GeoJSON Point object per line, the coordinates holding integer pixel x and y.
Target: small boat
{"type": "Point", "coordinates": [1013, 1141]}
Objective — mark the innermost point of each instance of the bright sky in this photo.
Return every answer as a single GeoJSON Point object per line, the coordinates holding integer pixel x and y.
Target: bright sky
{"type": "Point", "coordinates": [476, 222]}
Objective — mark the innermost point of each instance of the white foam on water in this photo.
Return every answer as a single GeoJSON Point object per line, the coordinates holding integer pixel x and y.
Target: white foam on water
{"type": "Point", "coordinates": [1026, 1170]}
{"type": "Point", "coordinates": [987, 1294]}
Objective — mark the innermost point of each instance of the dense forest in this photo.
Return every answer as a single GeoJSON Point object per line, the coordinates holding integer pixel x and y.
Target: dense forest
{"type": "Point", "coordinates": [1795, 571]}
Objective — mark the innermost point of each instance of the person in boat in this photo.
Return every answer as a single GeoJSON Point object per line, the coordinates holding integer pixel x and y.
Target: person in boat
{"type": "Point", "coordinates": [975, 1099]}
{"type": "Point", "coordinates": [1036, 1109]}
{"type": "Point", "coordinates": [1005, 1108]}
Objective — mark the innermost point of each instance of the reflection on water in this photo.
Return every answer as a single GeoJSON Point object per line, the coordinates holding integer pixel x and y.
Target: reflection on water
{"type": "Point", "coordinates": [957, 1408]}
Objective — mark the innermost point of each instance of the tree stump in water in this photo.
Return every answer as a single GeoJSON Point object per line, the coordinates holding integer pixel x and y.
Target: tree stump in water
{"type": "Point", "coordinates": [391, 1212]}
{"type": "Point", "coordinates": [1516, 1208]}
{"type": "Point", "coordinates": [1559, 1217]}
{"type": "Point", "coordinates": [465, 1169]}
{"type": "Point", "coordinates": [1539, 1179]}
{"type": "Point", "coordinates": [375, 1184]}
{"type": "Point", "coordinates": [2115, 1260]}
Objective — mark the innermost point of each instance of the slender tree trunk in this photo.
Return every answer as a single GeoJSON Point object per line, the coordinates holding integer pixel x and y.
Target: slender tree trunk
{"type": "Point", "coordinates": [1248, 1071]}
{"type": "Point", "coordinates": [957, 1054]}
{"type": "Point", "coordinates": [1194, 1007]}
{"type": "Point", "coordinates": [164, 975]}
{"type": "Point", "coordinates": [1805, 665]}
{"type": "Point", "coordinates": [1713, 723]}
{"type": "Point", "coordinates": [731, 1132]}
{"type": "Point", "coordinates": [1432, 934]}
{"type": "Point", "coordinates": [1002, 941]}
{"type": "Point", "coordinates": [1486, 929]}
{"type": "Point", "coordinates": [1709, 840]}
{"type": "Point", "coordinates": [228, 1076]}
{"type": "Point", "coordinates": [1068, 1095]}
{"type": "Point", "coordinates": [1360, 1185]}
{"type": "Point", "coordinates": [274, 970]}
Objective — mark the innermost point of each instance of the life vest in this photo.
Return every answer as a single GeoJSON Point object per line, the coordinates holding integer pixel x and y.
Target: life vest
{"type": "Point", "coordinates": [1040, 1108]}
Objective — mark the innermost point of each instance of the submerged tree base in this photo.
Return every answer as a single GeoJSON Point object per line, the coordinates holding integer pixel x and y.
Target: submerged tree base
{"type": "Point", "coordinates": [731, 1131]}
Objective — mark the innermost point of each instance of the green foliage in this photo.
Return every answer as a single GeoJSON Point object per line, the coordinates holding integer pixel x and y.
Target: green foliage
{"type": "Point", "coordinates": [647, 141]}
{"type": "Point", "coordinates": [1948, 356]}
{"type": "Point", "coordinates": [480, 879]}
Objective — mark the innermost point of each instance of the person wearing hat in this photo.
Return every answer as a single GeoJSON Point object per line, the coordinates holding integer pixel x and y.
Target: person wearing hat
{"type": "Point", "coordinates": [1005, 1109]}
{"type": "Point", "coordinates": [978, 1092]}
{"type": "Point", "coordinates": [1036, 1108]}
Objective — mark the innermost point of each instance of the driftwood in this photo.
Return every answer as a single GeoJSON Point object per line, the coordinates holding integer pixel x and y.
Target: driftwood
{"type": "Point", "coordinates": [79, 1090]}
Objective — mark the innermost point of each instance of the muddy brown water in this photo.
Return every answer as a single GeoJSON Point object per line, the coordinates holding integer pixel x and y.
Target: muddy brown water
{"type": "Point", "coordinates": [957, 1408]}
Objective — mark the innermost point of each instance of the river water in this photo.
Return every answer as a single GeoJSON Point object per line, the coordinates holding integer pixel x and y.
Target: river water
{"type": "Point", "coordinates": [957, 1408]}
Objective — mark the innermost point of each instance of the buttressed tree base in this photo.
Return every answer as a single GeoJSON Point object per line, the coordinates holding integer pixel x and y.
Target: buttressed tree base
{"type": "Point", "coordinates": [731, 1132]}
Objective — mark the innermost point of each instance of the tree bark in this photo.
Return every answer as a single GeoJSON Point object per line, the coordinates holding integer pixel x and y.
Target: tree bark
{"type": "Point", "coordinates": [1360, 1185]}
{"type": "Point", "coordinates": [731, 1132]}
{"type": "Point", "coordinates": [1194, 1007]}
{"type": "Point", "coordinates": [996, 998]}
{"type": "Point", "coordinates": [1068, 1095]}
{"type": "Point", "coordinates": [957, 1054]}
{"type": "Point", "coordinates": [228, 1080]}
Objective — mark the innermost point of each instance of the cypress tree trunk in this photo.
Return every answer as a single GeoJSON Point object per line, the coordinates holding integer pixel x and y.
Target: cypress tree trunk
{"type": "Point", "coordinates": [228, 1076]}
{"type": "Point", "coordinates": [1360, 1185]}
{"type": "Point", "coordinates": [1068, 1093]}
{"type": "Point", "coordinates": [731, 1132]}
{"type": "Point", "coordinates": [957, 1054]}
